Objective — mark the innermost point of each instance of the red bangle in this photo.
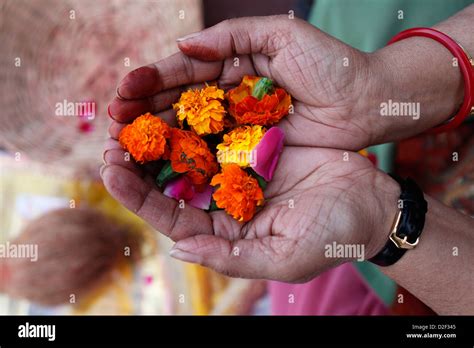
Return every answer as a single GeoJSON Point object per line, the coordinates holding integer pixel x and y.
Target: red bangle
{"type": "Point", "coordinates": [466, 65]}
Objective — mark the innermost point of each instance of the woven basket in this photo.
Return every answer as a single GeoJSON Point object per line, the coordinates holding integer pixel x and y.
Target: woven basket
{"type": "Point", "coordinates": [76, 50]}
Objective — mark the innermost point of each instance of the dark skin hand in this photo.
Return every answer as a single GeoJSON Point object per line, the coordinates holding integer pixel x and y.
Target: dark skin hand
{"type": "Point", "coordinates": [319, 183]}
{"type": "Point", "coordinates": [321, 192]}
{"type": "Point", "coordinates": [324, 93]}
{"type": "Point", "coordinates": [315, 198]}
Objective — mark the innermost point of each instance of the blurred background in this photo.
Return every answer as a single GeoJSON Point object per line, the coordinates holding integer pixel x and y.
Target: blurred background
{"type": "Point", "coordinates": [95, 257]}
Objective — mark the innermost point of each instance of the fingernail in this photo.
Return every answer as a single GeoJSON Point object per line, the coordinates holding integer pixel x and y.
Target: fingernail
{"type": "Point", "coordinates": [190, 36]}
{"type": "Point", "coordinates": [108, 111]}
{"type": "Point", "coordinates": [102, 170]}
{"type": "Point", "coordinates": [103, 156]}
{"type": "Point", "coordinates": [117, 93]}
{"type": "Point", "coordinates": [139, 83]}
{"type": "Point", "coordinates": [185, 256]}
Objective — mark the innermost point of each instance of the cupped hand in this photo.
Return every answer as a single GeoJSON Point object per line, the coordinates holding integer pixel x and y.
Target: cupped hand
{"type": "Point", "coordinates": [317, 197]}
{"type": "Point", "coordinates": [323, 75]}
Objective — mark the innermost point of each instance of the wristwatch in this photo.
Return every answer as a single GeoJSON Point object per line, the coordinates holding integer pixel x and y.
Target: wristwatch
{"type": "Point", "coordinates": [407, 225]}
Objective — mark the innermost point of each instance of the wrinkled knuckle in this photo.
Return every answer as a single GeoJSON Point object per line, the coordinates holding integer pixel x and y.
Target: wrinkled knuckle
{"type": "Point", "coordinates": [142, 203]}
{"type": "Point", "coordinates": [188, 70]}
{"type": "Point", "coordinates": [222, 268]}
{"type": "Point", "coordinates": [175, 213]}
{"type": "Point", "coordinates": [275, 41]}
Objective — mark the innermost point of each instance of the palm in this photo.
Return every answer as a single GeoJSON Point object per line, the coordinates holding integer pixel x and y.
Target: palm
{"type": "Point", "coordinates": [313, 197]}
{"type": "Point", "coordinates": [312, 201]}
{"type": "Point", "coordinates": [324, 90]}
{"type": "Point", "coordinates": [306, 208]}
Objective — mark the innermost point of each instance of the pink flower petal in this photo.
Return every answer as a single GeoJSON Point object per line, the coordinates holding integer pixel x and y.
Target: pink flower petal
{"type": "Point", "coordinates": [268, 152]}
{"type": "Point", "coordinates": [179, 188]}
{"type": "Point", "coordinates": [202, 200]}
{"type": "Point", "coordinates": [182, 188]}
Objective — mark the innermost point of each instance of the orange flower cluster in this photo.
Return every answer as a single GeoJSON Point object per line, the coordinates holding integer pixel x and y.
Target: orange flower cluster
{"type": "Point", "coordinates": [246, 107]}
{"type": "Point", "coordinates": [191, 155]}
{"type": "Point", "coordinates": [237, 134]}
{"type": "Point", "coordinates": [237, 192]}
{"type": "Point", "coordinates": [145, 138]}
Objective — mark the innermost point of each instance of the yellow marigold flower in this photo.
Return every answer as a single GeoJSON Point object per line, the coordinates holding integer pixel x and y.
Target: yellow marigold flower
{"type": "Point", "coordinates": [238, 145]}
{"type": "Point", "coordinates": [202, 110]}
{"type": "Point", "coordinates": [145, 138]}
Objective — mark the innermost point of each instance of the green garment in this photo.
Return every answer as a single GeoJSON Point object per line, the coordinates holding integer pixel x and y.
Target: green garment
{"type": "Point", "coordinates": [368, 25]}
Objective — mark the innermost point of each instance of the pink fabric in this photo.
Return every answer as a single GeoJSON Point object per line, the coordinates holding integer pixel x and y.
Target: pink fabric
{"type": "Point", "coordinates": [339, 291]}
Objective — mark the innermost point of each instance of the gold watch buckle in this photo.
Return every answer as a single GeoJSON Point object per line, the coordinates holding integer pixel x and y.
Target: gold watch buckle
{"type": "Point", "coordinates": [400, 243]}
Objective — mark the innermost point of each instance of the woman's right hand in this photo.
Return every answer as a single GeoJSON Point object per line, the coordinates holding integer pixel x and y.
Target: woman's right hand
{"type": "Point", "coordinates": [337, 90]}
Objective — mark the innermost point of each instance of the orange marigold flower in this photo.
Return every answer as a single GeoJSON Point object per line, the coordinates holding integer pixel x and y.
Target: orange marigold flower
{"type": "Point", "coordinates": [238, 192]}
{"type": "Point", "coordinates": [255, 101]}
{"type": "Point", "coordinates": [145, 138]}
{"type": "Point", "coordinates": [191, 155]}
{"type": "Point", "coordinates": [202, 109]}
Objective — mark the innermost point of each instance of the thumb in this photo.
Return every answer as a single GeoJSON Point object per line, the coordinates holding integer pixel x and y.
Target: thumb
{"type": "Point", "coordinates": [243, 258]}
{"type": "Point", "coordinates": [266, 35]}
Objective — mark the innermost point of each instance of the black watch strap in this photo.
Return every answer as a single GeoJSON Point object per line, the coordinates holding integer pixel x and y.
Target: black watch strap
{"type": "Point", "coordinates": [408, 223]}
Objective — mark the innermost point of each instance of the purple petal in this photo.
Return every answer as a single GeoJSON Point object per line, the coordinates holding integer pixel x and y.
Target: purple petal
{"type": "Point", "coordinates": [179, 188]}
{"type": "Point", "coordinates": [202, 200]}
{"type": "Point", "coordinates": [268, 152]}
